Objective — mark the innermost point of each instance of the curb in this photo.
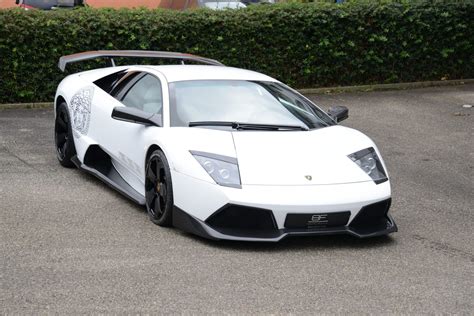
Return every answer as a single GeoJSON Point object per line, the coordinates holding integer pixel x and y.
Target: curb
{"type": "Point", "coordinates": [16, 106]}
{"type": "Point", "coordinates": [387, 86]}
{"type": "Point", "coordinates": [330, 90]}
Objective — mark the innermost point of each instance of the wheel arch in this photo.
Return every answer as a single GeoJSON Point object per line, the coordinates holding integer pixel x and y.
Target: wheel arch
{"type": "Point", "coordinates": [150, 150]}
{"type": "Point", "coordinates": [58, 101]}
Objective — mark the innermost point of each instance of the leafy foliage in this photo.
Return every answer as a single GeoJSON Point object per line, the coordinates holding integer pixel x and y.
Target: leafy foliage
{"type": "Point", "coordinates": [305, 45]}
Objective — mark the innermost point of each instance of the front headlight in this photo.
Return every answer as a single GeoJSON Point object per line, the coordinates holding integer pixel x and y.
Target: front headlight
{"type": "Point", "coordinates": [368, 161]}
{"type": "Point", "coordinates": [224, 170]}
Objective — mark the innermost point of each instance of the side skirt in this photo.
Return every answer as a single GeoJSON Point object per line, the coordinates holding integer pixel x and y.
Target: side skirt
{"type": "Point", "coordinates": [98, 163]}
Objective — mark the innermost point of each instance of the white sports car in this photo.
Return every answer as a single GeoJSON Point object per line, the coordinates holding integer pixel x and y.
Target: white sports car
{"type": "Point", "coordinates": [220, 152]}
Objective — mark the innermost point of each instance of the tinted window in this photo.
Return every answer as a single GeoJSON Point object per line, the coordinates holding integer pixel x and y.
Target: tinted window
{"type": "Point", "coordinates": [123, 84]}
{"type": "Point", "coordinates": [145, 95]}
{"type": "Point", "coordinates": [107, 83]}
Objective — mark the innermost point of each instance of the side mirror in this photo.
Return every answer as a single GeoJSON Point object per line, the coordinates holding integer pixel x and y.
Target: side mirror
{"type": "Point", "coordinates": [338, 113]}
{"type": "Point", "coordinates": [133, 115]}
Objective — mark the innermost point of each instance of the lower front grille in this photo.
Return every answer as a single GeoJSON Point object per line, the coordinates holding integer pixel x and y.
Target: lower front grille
{"type": "Point", "coordinates": [372, 217]}
{"type": "Point", "coordinates": [240, 220]}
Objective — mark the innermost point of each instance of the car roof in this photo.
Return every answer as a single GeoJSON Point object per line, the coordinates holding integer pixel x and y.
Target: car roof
{"type": "Point", "coordinates": [174, 73]}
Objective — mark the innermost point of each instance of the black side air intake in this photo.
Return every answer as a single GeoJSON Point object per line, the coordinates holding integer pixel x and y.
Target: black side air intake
{"type": "Point", "coordinates": [372, 217]}
{"type": "Point", "coordinates": [237, 220]}
{"type": "Point", "coordinates": [98, 163]}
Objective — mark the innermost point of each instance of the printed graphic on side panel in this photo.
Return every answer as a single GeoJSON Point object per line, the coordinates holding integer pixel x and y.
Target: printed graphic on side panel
{"type": "Point", "coordinates": [81, 110]}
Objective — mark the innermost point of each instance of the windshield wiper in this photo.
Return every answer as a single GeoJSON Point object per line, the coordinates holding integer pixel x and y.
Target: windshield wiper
{"type": "Point", "coordinates": [250, 126]}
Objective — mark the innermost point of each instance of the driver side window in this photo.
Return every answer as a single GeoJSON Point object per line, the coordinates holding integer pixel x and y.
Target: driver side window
{"type": "Point", "coordinates": [145, 95]}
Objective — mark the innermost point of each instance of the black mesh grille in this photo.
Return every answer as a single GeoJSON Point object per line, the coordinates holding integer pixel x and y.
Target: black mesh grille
{"type": "Point", "coordinates": [372, 217]}
{"type": "Point", "coordinates": [242, 220]}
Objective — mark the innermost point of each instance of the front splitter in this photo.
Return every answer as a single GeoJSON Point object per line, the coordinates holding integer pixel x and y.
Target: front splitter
{"type": "Point", "coordinates": [190, 224]}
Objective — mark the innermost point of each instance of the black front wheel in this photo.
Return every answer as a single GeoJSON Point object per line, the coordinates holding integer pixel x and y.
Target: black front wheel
{"type": "Point", "coordinates": [158, 189]}
{"type": "Point", "coordinates": [63, 137]}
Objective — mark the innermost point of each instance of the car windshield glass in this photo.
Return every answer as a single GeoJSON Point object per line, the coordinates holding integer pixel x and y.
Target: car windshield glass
{"type": "Point", "coordinates": [251, 102]}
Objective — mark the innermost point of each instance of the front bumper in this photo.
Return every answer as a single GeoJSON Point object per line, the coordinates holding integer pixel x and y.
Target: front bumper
{"type": "Point", "coordinates": [262, 213]}
{"type": "Point", "coordinates": [373, 220]}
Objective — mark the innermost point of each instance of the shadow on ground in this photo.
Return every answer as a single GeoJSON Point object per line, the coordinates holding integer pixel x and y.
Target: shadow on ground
{"type": "Point", "coordinates": [298, 243]}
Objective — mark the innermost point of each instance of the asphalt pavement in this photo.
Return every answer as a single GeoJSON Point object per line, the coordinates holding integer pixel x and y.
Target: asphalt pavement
{"type": "Point", "coordinates": [69, 244]}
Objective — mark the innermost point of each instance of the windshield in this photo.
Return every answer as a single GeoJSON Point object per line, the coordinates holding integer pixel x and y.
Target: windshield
{"type": "Point", "coordinates": [251, 102]}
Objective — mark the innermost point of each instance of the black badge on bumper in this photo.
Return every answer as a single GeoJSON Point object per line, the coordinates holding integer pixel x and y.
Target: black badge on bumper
{"type": "Point", "coordinates": [317, 220]}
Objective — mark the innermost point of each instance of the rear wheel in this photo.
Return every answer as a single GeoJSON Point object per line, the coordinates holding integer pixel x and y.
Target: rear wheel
{"type": "Point", "coordinates": [158, 189]}
{"type": "Point", "coordinates": [63, 137]}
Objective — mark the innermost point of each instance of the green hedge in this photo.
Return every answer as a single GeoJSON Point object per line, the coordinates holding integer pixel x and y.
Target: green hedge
{"type": "Point", "coordinates": [305, 45]}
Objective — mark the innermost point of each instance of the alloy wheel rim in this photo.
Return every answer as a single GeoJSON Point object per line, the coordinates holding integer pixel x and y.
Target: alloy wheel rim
{"type": "Point", "coordinates": [155, 187]}
{"type": "Point", "coordinates": [61, 133]}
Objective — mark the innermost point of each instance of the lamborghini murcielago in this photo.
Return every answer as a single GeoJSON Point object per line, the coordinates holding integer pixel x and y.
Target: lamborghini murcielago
{"type": "Point", "coordinates": [220, 152]}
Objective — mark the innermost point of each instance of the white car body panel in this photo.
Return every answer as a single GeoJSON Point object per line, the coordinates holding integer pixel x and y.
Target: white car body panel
{"type": "Point", "coordinates": [274, 165]}
{"type": "Point", "coordinates": [321, 154]}
{"type": "Point", "coordinates": [280, 199]}
{"type": "Point", "coordinates": [183, 73]}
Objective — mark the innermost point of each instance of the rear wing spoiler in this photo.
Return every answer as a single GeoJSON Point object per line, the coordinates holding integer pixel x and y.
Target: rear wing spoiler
{"type": "Point", "coordinates": [110, 54]}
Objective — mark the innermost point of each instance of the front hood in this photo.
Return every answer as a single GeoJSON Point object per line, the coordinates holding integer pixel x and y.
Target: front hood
{"type": "Point", "coordinates": [300, 158]}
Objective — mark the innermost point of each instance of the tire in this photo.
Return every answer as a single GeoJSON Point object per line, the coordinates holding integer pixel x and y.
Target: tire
{"type": "Point", "coordinates": [159, 190]}
{"type": "Point", "coordinates": [63, 137]}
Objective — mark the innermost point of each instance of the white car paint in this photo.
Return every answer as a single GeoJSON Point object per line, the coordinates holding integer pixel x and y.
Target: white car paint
{"type": "Point", "coordinates": [273, 165]}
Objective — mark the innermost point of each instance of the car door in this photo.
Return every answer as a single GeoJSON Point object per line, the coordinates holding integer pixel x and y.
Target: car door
{"type": "Point", "coordinates": [127, 145]}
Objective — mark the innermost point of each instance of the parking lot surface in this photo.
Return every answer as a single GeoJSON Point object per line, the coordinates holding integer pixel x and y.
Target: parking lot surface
{"type": "Point", "coordinates": [70, 244]}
